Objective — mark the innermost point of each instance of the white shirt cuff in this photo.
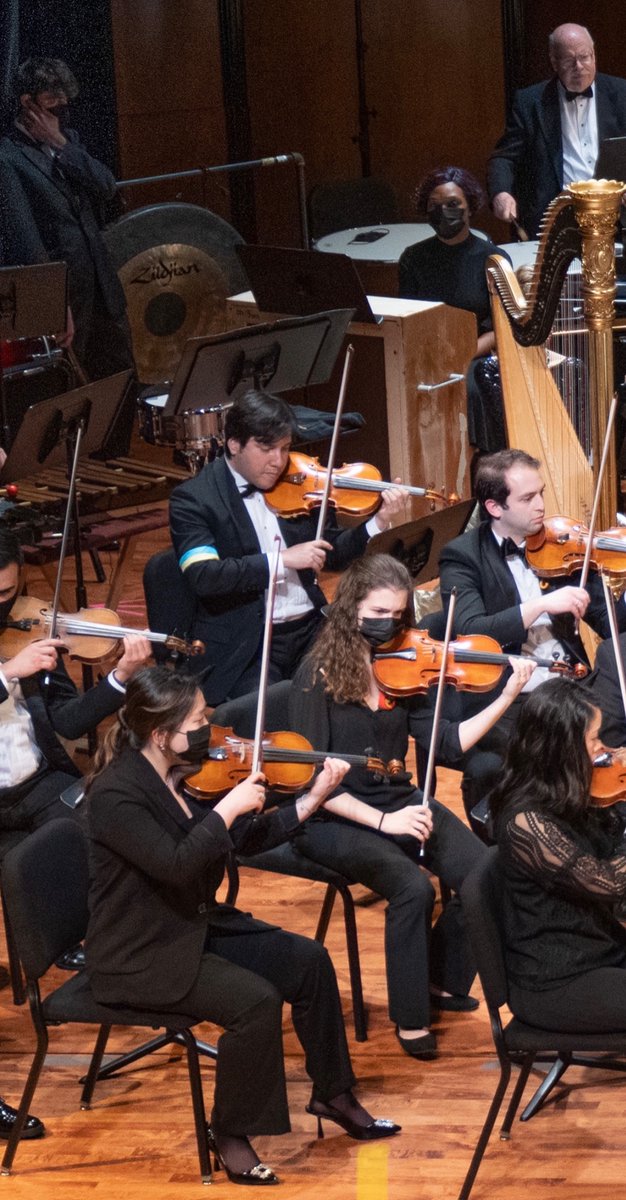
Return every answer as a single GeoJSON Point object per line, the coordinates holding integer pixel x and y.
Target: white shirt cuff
{"type": "Point", "coordinates": [116, 683]}
{"type": "Point", "coordinates": [372, 528]}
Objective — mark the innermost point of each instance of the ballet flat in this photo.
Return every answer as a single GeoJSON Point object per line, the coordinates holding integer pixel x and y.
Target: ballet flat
{"type": "Point", "coordinates": [453, 1003]}
{"type": "Point", "coordinates": [257, 1176]}
{"type": "Point", "coordinates": [424, 1047]}
{"type": "Point", "coordinates": [378, 1128]}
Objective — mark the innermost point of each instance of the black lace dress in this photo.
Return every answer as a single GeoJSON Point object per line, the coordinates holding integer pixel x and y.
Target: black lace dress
{"type": "Point", "coordinates": [565, 948]}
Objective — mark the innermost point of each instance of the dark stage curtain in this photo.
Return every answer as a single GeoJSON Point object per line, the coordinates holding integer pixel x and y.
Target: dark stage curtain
{"type": "Point", "coordinates": [9, 49]}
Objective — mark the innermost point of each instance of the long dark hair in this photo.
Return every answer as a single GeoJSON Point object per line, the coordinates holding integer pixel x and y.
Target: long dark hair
{"type": "Point", "coordinates": [338, 651]}
{"type": "Point", "coordinates": [547, 762]}
{"type": "Point", "coordinates": [156, 698]}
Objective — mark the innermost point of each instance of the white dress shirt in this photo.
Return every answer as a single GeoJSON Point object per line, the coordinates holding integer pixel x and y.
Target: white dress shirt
{"type": "Point", "coordinates": [540, 641]}
{"type": "Point", "coordinates": [579, 133]}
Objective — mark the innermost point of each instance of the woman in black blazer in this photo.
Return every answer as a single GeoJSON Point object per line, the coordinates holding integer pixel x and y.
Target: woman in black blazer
{"type": "Point", "coordinates": [157, 936]}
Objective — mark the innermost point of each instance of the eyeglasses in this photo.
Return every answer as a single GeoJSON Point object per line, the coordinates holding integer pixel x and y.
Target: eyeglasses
{"type": "Point", "coordinates": [572, 59]}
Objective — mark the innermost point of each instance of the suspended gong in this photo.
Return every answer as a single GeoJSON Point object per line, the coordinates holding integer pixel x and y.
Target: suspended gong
{"type": "Point", "coordinates": [177, 265]}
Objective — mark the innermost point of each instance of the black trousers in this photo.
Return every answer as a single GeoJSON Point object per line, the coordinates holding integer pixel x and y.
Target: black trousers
{"type": "Point", "coordinates": [416, 953]}
{"type": "Point", "coordinates": [290, 642]}
{"type": "Point", "coordinates": [242, 983]}
{"type": "Point", "coordinates": [36, 801]}
{"type": "Point", "coordinates": [593, 1003]}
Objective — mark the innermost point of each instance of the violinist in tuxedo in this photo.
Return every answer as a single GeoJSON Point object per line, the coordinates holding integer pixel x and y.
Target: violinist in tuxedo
{"type": "Point", "coordinates": [554, 131]}
{"type": "Point", "coordinates": [39, 704]}
{"type": "Point", "coordinates": [223, 533]}
{"type": "Point", "coordinates": [499, 595]}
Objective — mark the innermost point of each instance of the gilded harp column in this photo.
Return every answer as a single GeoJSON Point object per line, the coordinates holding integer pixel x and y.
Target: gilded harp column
{"type": "Point", "coordinates": [596, 206]}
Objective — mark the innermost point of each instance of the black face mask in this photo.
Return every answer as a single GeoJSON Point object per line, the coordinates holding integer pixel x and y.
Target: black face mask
{"type": "Point", "coordinates": [447, 220]}
{"type": "Point", "coordinates": [5, 610]}
{"type": "Point", "coordinates": [61, 112]}
{"type": "Point", "coordinates": [378, 630]}
{"type": "Point", "coordinates": [198, 741]}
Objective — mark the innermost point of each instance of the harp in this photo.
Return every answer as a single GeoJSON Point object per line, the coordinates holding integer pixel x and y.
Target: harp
{"type": "Point", "coordinates": [580, 223]}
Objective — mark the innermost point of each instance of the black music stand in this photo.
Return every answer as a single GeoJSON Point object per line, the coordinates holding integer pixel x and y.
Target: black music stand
{"type": "Point", "coordinates": [56, 431]}
{"type": "Point", "coordinates": [418, 544]}
{"type": "Point", "coordinates": [33, 303]}
{"type": "Point", "coordinates": [286, 280]}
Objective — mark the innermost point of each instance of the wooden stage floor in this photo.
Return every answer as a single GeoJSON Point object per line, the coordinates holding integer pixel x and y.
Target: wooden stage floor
{"type": "Point", "coordinates": [137, 1142]}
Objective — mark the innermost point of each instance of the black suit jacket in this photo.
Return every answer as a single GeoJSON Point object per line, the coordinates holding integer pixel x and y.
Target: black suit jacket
{"type": "Point", "coordinates": [528, 160]}
{"type": "Point", "coordinates": [207, 511]}
{"type": "Point", "coordinates": [488, 602]}
{"type": "Point", "coordinates": [154, 875]}
{"type": "Point", "coordinates": [60, 709]}
{"type": "Point", "coordinates": [50, 212]}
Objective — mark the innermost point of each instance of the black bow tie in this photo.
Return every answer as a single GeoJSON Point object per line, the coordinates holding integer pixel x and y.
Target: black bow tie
{"type": "Point", "coordinates": [588, 92]}
{"type": "Point", "coordinates": [248, 489]}
{"type": "Point", "coordinates": [509, 548]}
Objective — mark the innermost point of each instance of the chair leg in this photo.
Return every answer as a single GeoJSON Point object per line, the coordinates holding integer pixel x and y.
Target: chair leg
{"type": "Point", "coordinates": [326, 913]}
{"type": "Point", "coordinates": [481, 1146]}
{"type": "Point", "coordinates": [26, 1101]}
{"type": "Point", "coordinates": [558, 1068]}
{"type": "Point", "coordinates": [524, 1072]}
{"type": "Point", "coordinates": [15, 967]}
{"type": "Point", "coordinates": [146, 1048]}
{"type": "Point", "coordinates": [354, 963]}
{"type": "Point", "coordinates": [232, 874]}
{"type": "Point", "coordinates": [94, 1066]}
{"type": "Point", "coordinates": [197, 1099]}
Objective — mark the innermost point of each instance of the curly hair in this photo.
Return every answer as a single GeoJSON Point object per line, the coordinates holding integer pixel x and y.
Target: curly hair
{"type": "Point", "coordinates": [468, 184]}
{"type": "Point", "coordinates": [547, 761]}
{"type": "Point", "coordinates": [156, 698]}
{"type": "Point", "coordinates": [337, 653]}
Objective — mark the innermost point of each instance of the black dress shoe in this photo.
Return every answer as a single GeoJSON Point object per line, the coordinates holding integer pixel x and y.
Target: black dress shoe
{"type": "Point", "coordinates": [258, 1176]}
{"type": "Point", "coordinates": [378, 1127]}
{"type": "Point", "coordinates": [33, 1127]}
{"type": "Point", "coordinates": [424, 1047]}
{"type": "Point", "coordinates": [453, 1003]}
{"type": "Point", "coordinates": [72, 960]}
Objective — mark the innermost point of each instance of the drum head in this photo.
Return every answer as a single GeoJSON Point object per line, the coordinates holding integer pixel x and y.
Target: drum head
{"type": "Point", "coordinates": [177, 265]}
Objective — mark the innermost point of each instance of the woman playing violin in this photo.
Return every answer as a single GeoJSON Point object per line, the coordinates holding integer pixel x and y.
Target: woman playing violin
{"type": "Point", "coordinates": [374, 828]}
{"type": "Point", "coordinates": [564, 865]}
{"type": "Point", "coordinates": [158, 936]}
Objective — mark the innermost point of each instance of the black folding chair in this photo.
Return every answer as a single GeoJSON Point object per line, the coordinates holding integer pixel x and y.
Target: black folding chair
{"type": "Point", "coordinates": [47, 905]}
{"type": "Point", "coordinates": [516, 1043]}
{"type": "Point", "coordinates": [286, 859]}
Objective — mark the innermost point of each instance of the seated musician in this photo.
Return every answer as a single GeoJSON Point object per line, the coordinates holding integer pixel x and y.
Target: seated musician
{"type": "Point", "coordinates": [564, 869]}
{"type": "Point", "coordinates": [38, 701]}
{"type": "Point", "coordinates": [373, 830]}
{"type": "Point", "coordinates": [157, 861]}
{"type": "Point", "coordinates": [450, 267]}
{"type": "Point", "coordinates": [223, 533]}
{"type": "Point", "coordinates": [498, 594]}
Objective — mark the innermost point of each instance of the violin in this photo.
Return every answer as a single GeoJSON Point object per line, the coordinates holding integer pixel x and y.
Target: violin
{"type": "Point", "coordinates": [289, 763]}
{"type": "Point", "coordinates": [560, 546]}
{"type": "Point", "coordinates": [412, 664]}
{"type": "Point", "coordinates": [608, 779]}
{"type": "Point", "coordinates": [355, 488]}
{"type": "Point", "coordinates": [91, 635]}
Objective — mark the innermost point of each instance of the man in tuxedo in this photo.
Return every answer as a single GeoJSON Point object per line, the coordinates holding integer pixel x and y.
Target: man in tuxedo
{"type": "Point", "coordinates": [497, 594]}
{"type": "Point", "coordinates": [554, 131]}
{"type": "Point", "coordinates": [38, 705]}
{"type": "Point", "coordinates": [52, 199]}
{"type": "Point", "coordinates": [223, 533]}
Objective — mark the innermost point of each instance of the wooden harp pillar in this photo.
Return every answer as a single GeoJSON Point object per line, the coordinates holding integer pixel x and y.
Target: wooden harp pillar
{"type": "Point", "coordinates": [596, 207]}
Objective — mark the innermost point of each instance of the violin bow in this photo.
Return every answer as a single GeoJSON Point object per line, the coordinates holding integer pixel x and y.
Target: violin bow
{"type": "Point", "coordinates": [257, 749]}
{"type": "Point", "coordinates": [430, 765]}
{"type": "Point", "coordinates": [323, 513]}
{"type": "Point", "coordinates": [619, 662]}
{"type": "Point", "coordinates": [596, 499]}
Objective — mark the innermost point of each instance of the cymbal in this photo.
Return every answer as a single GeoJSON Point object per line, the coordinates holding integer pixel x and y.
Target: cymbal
{"type": "Point", "coordinates": [177, 265]}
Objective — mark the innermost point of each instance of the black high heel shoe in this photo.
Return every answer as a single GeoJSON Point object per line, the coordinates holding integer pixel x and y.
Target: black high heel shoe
{"type": "Point", "coordinates": [377, 1128]}
{"type": "Point", "coordinates": [257, 1176]}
